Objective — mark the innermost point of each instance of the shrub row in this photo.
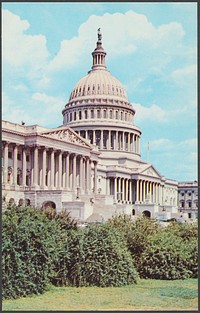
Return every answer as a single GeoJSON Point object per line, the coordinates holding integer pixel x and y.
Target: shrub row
{"type": "Point", "coordinates": [42, 246]}
{"type": "Point", "coordinates": [160, 252]}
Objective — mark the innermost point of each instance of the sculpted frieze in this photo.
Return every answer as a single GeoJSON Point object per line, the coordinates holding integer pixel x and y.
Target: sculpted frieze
{"type": "Point", "coordinates": [65, 135]}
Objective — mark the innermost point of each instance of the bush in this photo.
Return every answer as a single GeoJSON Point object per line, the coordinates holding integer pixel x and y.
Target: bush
{"type": "Point", "coordinates": [166, 257]}
{"type": "Point", "coordinates": [137, 233]}
{"type": "Point", "coordinates": [63, 218]}
{"type": "Point", "coordinates": [157, 252]}
{"type": "Point", "coordinates": [100, 258]}
{"type": "Point", "coordinates": [31, 246]}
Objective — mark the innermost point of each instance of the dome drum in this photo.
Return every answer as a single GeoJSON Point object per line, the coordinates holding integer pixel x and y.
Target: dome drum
{"type": "Point", "coordinates": [98, 113]}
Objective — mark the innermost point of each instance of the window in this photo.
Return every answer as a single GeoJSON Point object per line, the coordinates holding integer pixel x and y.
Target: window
{"type": "Point", "coordinates": [74, 115]}
{"type": "Point", "coordinates": [98, 113]}
{"type": "Point", "coordinates": [182, 204]}
{"type": "Point", "coordinates": [27, 158]}
{"type": "Point", "coordinates": [189, 204]}
{"type": "Point", "coordinates": [116, 115]}
{"type": "Point", "coordinates": [10, 154]}
{"type": "Point", "coordinates": [92, 113]}
{"type": "Point", "coordinates": [18, 156]}
{"type": "Point", "coordinates": [189, 193]}
{"type": "Point", "coordinates": [80, 115]}
{"type": "Point", "coordinates": [85, 114]}
{"type": "Point", "coordinates": [110, 113]}
{"type": "Point", "coordinates": [104, 114]}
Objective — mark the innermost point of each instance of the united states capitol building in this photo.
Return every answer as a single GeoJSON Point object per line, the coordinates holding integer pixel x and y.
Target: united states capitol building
{"type": "Point", "coordinates": [91, 165]}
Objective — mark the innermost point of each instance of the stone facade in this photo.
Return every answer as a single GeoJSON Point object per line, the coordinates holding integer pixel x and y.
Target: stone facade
{"type": "Point", "coordinates": [92, 163]}
{"type": "Point", "coordinates": [188, 198]}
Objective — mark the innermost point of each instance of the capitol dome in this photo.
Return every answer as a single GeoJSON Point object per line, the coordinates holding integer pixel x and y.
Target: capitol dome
{"type": "Point", "coordinates": [99, 110]}
{"type": "Point", "coordinates": [98, 83]}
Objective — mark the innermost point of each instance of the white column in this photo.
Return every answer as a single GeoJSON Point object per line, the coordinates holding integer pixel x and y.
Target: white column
{"type": "Point", "coordinates": [35, 166]}
{"type": "Point", "coordinates": [44, 167]}
{"type": "Point", "coordinates": [130, 190]}
{"type": "Point", "coordinates": [81, 173]}
{"type": "Point", "coordinates": [67, 171]}
{"type": "Point", "coordinates": [129, 142]}
{"type": "Point", "coordinates": [52, 168]}
{"type": "Point", "coordinates": [90, 175]}
{"type": "Point", "coordinates": [116, 141]}
{"type": "Point", "coordinates": [15, 165]}
{"type": "Point", "coordinates": [123, 189]}
{"type": "Point", "coordinates": [119, 189]}
{"type": "Point", "coordinates": [126, 198]}
{"type": "Point", "coordinates": [150, 191]}
{"type": "Point", "coordinates": [95, 177]}
{"type": "Point", "coordinates": [74, 173]}
{"type": "Point", "coordinates": [24, 166]}
{"type": "Point", "coordinates": [5, 164]}
{"type": "Point", "coordinates": [108, 140]}
{"type": "Point", "coordinates": [144, 191]}
{"type": "Point", "coordinates": [115, 188]}
{"type": "Point", "coordinates": [86, 175]}
{"type": "Point", "coordinates": [101, 143]}
{"type": "Point", "coordinates": [141, 190]}
{"type": "Point", "coordinates": [137, 191]}
{"type": "Point", "coordinates": [60, 170]}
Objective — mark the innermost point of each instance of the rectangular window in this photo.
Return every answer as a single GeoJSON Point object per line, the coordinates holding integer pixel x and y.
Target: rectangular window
{"type": "Point", "coordinates": [27, 158]}
{"type": "Point", "coordinates": [10, 154]}
{"type": "Point", "coordinates": [18, 156]}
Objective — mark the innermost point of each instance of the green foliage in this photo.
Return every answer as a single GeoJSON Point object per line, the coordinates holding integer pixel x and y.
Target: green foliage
{"type": "Point", "coordinates": [31, 245]}
{"type": "Point", "coordinates": [166, 257]}
{"type": "Point", "coordinates": [100, 258]}
{"type": "Point", "coordinates": [157, 252]}
{"type": "Point", "coordinates": [187, 232]}
{"type": "Point", "coordinates": [63, 218]}
{"type": "Point", "coordinates": [137, 233]}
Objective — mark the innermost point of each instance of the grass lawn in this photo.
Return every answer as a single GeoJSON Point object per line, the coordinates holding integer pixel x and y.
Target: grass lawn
{"type": "Point", "coordinates": [146, 295]}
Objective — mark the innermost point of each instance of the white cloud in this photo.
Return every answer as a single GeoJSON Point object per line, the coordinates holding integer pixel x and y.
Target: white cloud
{"type": "Point", "coordinates": [49, 103]}
{"type": "Point", "coordinates": [122, 34]}
{"type": "Point", "coordinates": [18, 48]}
{"type": "Point", "coordinates": [152, 113]}
{"type": "Point", "coordinates": [185, 75]}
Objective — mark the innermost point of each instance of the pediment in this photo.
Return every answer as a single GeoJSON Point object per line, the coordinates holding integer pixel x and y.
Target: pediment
{"type": "Point", "coordinates": [66, 135]}
{"type": "Point", "coordinates": [151, 171]}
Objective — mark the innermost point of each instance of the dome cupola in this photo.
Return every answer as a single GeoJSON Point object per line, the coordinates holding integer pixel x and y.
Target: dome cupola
{"type": "Point", "coordinates": [99, 54]}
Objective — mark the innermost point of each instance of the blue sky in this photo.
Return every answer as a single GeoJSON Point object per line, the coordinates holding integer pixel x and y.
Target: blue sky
{"type": "Point", "coordinates": [151, 48]}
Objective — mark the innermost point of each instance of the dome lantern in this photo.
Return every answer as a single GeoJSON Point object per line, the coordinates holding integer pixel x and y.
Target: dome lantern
{"type": "Point", "coordinates": [99, 54]}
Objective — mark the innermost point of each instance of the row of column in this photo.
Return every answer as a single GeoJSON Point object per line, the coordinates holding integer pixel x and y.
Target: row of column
{"type": "Point", "coordinates": [49, 168]}
{"type": "Point", "coordinates": [112, 139]}
{"type": "Point", "coordinates": [99, 113]}
{"type": "Point", "coordinates": [140, 191]}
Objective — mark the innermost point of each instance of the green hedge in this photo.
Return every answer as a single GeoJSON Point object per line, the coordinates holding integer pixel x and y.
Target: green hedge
{"type": "Point", "coordinates": [31, 246]}
{"type": "Point", "coordinates": [166, 257]}
{"type": "Point", "coordinates": [160, 252]}
{"type": "Point", "coordinates": [100, 258]}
